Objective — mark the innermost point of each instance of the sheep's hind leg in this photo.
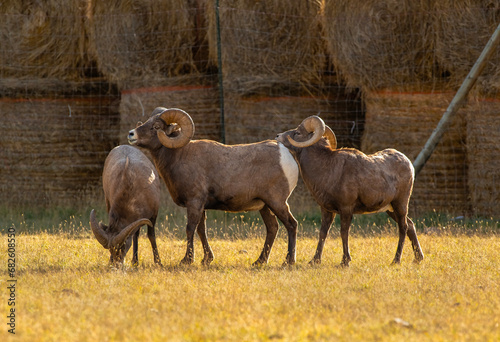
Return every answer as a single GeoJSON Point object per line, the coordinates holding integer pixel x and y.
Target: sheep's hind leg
{"type": "Point", "coordinates": [326, 221]}
{"type": "Point", "coordinates": [271, 230]}
{"type": "Point", "coordinates": [208, 256]}
{"type": "Point", "coordinates": [402, 227]}
{"type": "Point", "coordinates": [152, 240]}
{"type": "Point", "coordinates": [285, 216]}
{"type": "Point", "coordinates": [412, 235]}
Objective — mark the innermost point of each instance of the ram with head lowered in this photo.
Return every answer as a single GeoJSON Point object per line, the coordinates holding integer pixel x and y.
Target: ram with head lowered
{"type": "Point", "coordinates": [132, 193]}
{"type": "Point", "coordinates": [205, 174]}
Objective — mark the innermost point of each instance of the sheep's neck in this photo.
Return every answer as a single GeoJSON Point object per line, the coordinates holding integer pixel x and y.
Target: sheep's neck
{"type": "Point", "coordinates": [313, 161]}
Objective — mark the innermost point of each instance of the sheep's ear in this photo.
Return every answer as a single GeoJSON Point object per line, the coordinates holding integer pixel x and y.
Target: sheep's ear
{"type": "Point", "coordinates": [330, 136]}
{"type": "Point", "coordinates": [103, 226]}
{"type": "Point", "coordinates": [172, 128]}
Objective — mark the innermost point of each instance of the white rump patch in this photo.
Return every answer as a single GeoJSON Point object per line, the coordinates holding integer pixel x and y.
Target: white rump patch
{"type": "Point", "coordinates": [152, 177]}
{"type": "Point", "coordinates": [289, 166]}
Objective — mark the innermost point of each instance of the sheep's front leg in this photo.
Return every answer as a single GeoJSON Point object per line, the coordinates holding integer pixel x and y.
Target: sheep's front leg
{"type": "Point", "coordinates": [345, 223]}
{"type": "Point", "coordinates": [326, 221]}
{"type": "Point", "coordinates": [271, 230]}
{"type": "Point", "coordinates": [202, 233]}
{"type": "Point", "coordinates": [135, 248]}
{"type": "Point", "coordinates": [194, 214]}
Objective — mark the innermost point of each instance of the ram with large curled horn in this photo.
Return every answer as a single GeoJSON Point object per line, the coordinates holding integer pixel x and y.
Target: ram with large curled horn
{"type": "Point", "coordinates": [132, 193]}
{"type": "Point", "coordinates": [346, 182]}
{"type": "Point", "coordinates": [205, 174]}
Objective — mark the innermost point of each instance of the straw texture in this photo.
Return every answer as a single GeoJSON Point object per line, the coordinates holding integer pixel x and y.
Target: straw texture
{"type": "Point", "coordinates": [143, 43]}
{"type": "Point", "coordinates": [462, 30]}
{"type": "Point", "coordinates": [53, 150]}
{"type": "Point", "coordinates": [268, 45]}
{"type": "Point", "coordinates": [43, 39]}
{"type": "Point", "coordinates": [483, 156]}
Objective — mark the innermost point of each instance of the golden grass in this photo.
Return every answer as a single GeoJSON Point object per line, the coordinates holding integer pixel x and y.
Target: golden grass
{"type": "Point", "coordinates": [66, 292]}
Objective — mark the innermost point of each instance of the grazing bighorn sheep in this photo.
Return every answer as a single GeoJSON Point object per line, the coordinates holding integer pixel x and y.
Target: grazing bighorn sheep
{"type": "Point", "coordinates": [205, 174]}
{"type": "Point", "coordinates": [132, 192]}
{"type": "Point", "coordinates": [346, 182]}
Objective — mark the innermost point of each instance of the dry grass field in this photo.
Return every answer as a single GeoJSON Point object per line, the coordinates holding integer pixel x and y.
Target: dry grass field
{"type": "Point", "coordinates": [65, 290]}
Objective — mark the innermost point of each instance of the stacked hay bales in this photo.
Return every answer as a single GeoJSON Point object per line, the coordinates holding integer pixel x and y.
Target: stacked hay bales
{"type": "Point", "coordinates": [57, 124]}
{"type": "Point", "coordinates": [54, 149]}
{"type": "Point", "coordinates": [463, 30]}
{"type": "Point", "coordinates": [156, 53]}
{"type": "Point", "coordinates": [273, 62]}
{"type": "Point", "coordinates": [483, 156]}
{"type": "Point", "coordinates": [43, 40]}
{"type": "Point", "coordinates": [267, 45]}
{"type": "Point", "coordinates": [144, 43]}
{"type": "Point", "coordinates": [258, 118]}
{"type": "Point", "coordinates": [380, 44]}
{"type": "Point", "coordinates": [388, 50]}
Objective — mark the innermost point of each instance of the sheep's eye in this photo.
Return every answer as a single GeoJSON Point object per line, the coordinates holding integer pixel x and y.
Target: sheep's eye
{"type": "Point", "coordinates": [156, 126]}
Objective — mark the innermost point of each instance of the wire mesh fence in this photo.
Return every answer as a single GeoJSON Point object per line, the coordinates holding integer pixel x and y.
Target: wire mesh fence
{"type": "Point", "coordinates": [76, 76]}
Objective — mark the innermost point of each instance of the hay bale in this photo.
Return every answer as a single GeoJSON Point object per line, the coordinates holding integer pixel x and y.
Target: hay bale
{"type": "Point", "coordinates": [405, 121]}
{"type": "Point", "coordinates": [201, 102]}
{"type": "Point", "coordinates": [140, 43]}
{"type": "Point", "coordinates": [257, 118]}
{"type": "Point", "coordinates": [483, 156]}
{"type": "Point", "coordinates": [53, 150]}
{"type": "Point", "coordinates": [463, 27]}
{"type": "Point", "coordinates": [380, 44]}
{"type": "Point", "coordinates": [267, 45]}
{"type": "Point", "coordinates": [43, 39]}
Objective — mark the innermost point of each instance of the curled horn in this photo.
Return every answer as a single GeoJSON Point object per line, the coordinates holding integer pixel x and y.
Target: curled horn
{"type": "Point", "coordinates": [330, 136]}
{"type": "Point", "coordinates": [119, 239]}
{"type": "Point", "coordinates": [158, 110]}
{"type": "Point", "coordinates": [98, 231]}
{"type": "Point", "coordinates": [181, 118]}
{"type": "Point", "coordinates": [311, 124]}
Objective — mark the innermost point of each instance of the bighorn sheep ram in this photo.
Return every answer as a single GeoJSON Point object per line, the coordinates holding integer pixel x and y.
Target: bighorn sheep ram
{"type": "Point", "coordinates": [346, 182]}
{"type": "Point", "coordinates": [205, 174]}
{"type": "Point", "coordinates": [132, 192]}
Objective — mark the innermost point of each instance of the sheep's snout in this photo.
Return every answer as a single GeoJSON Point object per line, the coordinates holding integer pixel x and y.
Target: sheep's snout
{"type": "Point", "coordinates": [280, 138]}
{"type": "Point", "coordinates": [132, 138]}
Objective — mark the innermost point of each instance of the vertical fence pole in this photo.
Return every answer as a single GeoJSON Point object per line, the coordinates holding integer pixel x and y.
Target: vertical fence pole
{"type": "Point", "coordinates": [457, 101]}
{"type": "Point", "coordinates": [221, 86]}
